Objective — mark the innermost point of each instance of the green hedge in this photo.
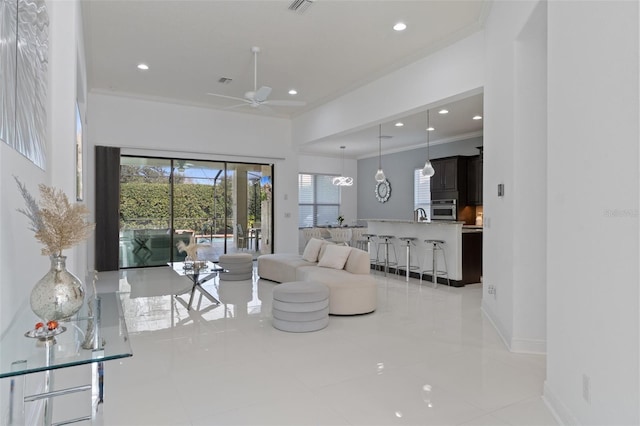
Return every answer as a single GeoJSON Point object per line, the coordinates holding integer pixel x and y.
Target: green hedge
{"type": "Point", "coordinates": [146, 205]}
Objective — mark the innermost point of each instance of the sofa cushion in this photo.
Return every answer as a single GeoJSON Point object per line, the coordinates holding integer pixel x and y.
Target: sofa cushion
{"type": "Point", "coordinates": [280, 267]}
{"type": "Point", "coordinates": [335, 256]}
{"type": "Point", "coordinates": [312, 250]}
{"type": "Point", "coordinates": [358, 262]}
{"type": "Point", "coordinates": [325, 243]}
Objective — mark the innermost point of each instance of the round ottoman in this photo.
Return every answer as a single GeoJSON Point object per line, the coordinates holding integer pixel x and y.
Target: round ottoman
{"type": "Point", "coordinates": [300, 306]}
{"type": "Point", "coordinates": [238, 265]}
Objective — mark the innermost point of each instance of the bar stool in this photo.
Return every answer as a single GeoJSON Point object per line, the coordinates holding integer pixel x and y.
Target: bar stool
{"type": "Point", "coordinates": [437, 246]}
{"type": "Point", "coordinates": [384, 243]}
{"type": "Point", "coordinates": [408, 266]}
{"type": "Point", "coordinates": [366, 245]}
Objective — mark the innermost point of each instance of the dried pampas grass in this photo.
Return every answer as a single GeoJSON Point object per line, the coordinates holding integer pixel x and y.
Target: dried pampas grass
{"type": "Point", "coordinates": [190, 249]}
{"type": "Point", "coordinates": [57, 223]}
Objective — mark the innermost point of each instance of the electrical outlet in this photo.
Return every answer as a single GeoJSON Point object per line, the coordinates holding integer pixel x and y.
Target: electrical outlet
{"type": "Point", "coordinates": [492, 290]}
{"type": "Point", "coordinates": [586, 388]}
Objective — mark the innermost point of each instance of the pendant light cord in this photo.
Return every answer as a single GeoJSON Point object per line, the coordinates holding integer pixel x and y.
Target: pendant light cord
{"type": "Point", "coordinates": [428, 127]}
{"type": "Point", "coordinates": [380, 147]}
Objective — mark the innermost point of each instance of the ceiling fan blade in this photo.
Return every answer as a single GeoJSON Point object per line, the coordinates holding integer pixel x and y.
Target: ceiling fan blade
{"type": "Point", "coordinates": [262, 94]}
{"type": "Point", "coordinates": [286, 103]}
{"type": "Point", "coordinates": [229, 97]}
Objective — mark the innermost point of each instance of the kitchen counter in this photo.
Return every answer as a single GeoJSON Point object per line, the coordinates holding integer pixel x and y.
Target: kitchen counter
{"type": "Point", "coordinates": [451, 232]}
{"type": "Point", "coordinates": [422, 222]}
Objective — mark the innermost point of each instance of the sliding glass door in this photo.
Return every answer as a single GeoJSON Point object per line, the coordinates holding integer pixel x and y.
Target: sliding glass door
{"type": "Point", "coordinates": [225, 207]}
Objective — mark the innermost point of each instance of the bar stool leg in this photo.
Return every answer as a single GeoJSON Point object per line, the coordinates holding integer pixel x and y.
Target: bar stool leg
{"type": "Point", "coordinates": [446, 268]}
{"type": "Point", "coordinates": [435, 266]}
{"type": "Point", "coordinates": [386, 258]}
{"type": "Point", "coordinates": [408, 259]}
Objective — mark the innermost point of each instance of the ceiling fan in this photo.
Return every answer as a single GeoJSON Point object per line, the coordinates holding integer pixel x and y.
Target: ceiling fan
{"type": "Point", "coordinates": [258, 97]}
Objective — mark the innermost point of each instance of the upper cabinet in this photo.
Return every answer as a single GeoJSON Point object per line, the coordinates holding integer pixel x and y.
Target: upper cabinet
{"type": "Point", "coordinates": [446, 176]}
{"type": "Point", "coordinates": [450, 179]}
{"type": "Point", "coordinates": [474, 180]}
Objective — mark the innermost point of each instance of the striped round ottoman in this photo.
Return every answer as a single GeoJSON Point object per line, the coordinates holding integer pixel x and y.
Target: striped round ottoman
{"type": "Point", "coordinates": [239, 266]}
{"type": "Point", "coordinates": [300, 306]}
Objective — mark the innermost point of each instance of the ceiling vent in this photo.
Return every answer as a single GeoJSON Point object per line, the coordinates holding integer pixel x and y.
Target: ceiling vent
{"type": "Point", "coordinates": [225, 80]}
{"type": "Point", "coordinates": [300, 6]}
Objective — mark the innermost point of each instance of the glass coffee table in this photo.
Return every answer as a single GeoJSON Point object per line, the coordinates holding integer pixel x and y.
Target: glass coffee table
{"type": "Point", "coordinates": [199, 273]}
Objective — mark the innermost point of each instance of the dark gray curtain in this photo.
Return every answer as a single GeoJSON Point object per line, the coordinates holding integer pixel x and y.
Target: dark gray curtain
{"type": "Point", "coordinates": [107, 208]}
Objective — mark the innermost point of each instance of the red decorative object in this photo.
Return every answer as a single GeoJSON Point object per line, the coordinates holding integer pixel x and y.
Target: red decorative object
{"type": "Point", "coordinates": [52, 325]}
{"type": "Point", "coordinates": [39, 326]}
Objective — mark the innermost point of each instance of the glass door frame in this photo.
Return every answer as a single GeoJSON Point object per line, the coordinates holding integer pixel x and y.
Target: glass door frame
{"type": "Point", "coordinates": [226, 172]}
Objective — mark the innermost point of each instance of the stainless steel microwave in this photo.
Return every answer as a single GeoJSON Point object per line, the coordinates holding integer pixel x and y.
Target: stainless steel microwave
{"type": "Point", "coordinates": [444, 210]}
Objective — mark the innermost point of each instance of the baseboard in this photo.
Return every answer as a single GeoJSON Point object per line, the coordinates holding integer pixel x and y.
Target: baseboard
{"type": "Point", "coordinates": [495, 322]}
{"type": "Point", "coordinates": [560, 412]}
{"type": "Point", "coordinates": [521, 346]}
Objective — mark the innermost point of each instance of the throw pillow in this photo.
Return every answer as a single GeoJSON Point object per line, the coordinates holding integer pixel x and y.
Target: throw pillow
{"type": "Point", "coordinates": [312, 250]}
{"type": "Point", "coordinates": [335, 256]}
{"type": "Point", "coordinates": [325, 243]}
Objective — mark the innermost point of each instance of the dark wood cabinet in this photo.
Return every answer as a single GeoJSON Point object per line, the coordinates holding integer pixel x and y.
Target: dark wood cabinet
{"type": "Point", "coordinates": [446, 176]}
{"type": "Point", "coordinates": [471, 257]}
{"type": "Point", "coordinates": [474, 181]}
{"type": "Point", "coordinates": [450, 179]}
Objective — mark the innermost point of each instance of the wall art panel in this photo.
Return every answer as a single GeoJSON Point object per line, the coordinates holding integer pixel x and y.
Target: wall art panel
{"type": "Point", "coordinates": [8, 43]}
{"type": "Point", "coordinates": [31, 94]}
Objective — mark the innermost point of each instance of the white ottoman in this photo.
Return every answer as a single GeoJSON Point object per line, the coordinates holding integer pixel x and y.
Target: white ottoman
{"type": "Point", "coordinates": [238, 265]}
{"type": "Point", "coordinates": [300, 306]}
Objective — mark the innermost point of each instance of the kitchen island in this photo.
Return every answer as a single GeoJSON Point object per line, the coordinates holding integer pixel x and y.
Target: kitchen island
{"type": "Point", "coordinates": [463, 249]}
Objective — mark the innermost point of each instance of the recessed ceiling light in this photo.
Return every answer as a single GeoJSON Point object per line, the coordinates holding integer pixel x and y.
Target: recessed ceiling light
{"type": "Point", "coordinates": [431, 129]}
{"type": "Point", "coordinates": [443, 111]}
{"type": "Point", "coordinates": [477, 117]}
{"type": "Point", "coordinates": [399, 124]}
{"type": "Point", "coordinates": [400, 26]}
{"type": "Point", "coordinates": [143, 67]}
{"type": "Point", "coordinates": [293, 92]}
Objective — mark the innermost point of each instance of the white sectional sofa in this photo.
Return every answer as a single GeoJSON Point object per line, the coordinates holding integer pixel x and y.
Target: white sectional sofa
{"type": "Point", "coordinates": [345, 270]}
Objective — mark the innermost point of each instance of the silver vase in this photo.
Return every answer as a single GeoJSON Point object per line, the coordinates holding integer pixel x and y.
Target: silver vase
{"type": "Point", "coordinates": [59, 294]}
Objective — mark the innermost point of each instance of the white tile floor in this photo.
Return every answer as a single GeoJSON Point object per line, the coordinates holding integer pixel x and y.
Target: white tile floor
{"type": "Point", "coordinates": [424, 357]}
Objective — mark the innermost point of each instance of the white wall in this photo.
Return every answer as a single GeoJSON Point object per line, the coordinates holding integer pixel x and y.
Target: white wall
{"type": "Point", "coordinates": [504, 23]}
{"type": "Point", "coordinates": [450, 72]}
{"type": "Point", "coordinates": [593, 185]}
{"type": "Point", "coordinates": [21, 264]}
{"type": "Point", "coordinates": [333, 166]}
{"type": "Point", "coordinates": [529, 190]}
{"type": "Point", "coordinates": [163, 129]}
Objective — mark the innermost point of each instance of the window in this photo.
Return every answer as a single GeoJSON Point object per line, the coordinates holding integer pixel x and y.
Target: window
{"type": "Point", "coordinates": [422, 191]}
{"type": "Point", "coordinates": [318, 200]}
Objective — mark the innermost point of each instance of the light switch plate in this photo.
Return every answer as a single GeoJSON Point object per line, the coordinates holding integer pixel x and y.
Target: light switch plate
{"type": "Point", "coordinates": [501, 190]}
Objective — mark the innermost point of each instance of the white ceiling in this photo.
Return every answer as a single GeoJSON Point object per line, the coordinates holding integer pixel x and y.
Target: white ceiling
{"type": "Point", "coordinates": [331, 48]}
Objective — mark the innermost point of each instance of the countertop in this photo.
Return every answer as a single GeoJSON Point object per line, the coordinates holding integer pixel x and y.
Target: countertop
{"type": "Point", "coordinates": [471, 229]}
{"type": "Point", "coordinates": [422, 222]}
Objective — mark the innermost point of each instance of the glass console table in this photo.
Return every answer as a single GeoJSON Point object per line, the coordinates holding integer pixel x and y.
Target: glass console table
{"type": "Point", "coordinates": [21, 355]}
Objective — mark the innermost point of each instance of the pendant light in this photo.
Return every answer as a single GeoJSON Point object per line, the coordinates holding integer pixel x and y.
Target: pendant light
{"type": "Point", "coordinates": [380, 177]}
{"type": "Point", "coordinates": [428, 170]}
{"type": "Point", "coordinates": [342, 180]}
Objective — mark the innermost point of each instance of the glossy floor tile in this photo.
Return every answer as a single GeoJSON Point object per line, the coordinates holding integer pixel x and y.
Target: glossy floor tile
{"type": "Point", "coordinates": [426, 356]}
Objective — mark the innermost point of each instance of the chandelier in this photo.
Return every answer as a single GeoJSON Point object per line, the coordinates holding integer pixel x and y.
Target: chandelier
{"type": "Point", "coordinates": [342, 180]}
